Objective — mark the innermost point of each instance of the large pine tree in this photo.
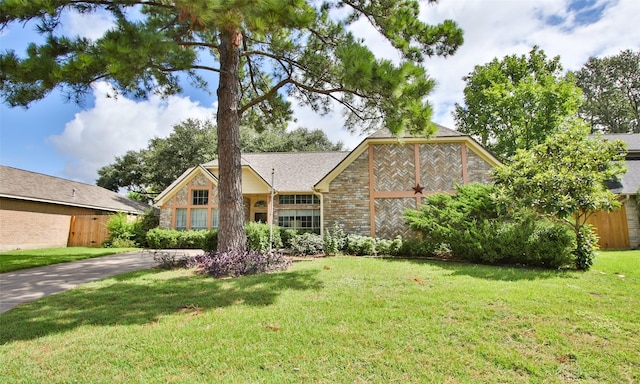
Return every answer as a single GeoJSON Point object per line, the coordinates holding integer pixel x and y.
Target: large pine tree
{"type": "Point", "coordinates": [261, 50]}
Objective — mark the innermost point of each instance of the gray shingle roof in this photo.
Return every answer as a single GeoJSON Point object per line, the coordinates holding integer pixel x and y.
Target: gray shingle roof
{"type": "Point", "coordinates": [630, 180]}
{"type": "Point", "coordinates": [293, 171]}
{"type": "Point", "coordinates": [632, 140]}
{"type": "Point", "coordinates": [27, 185]}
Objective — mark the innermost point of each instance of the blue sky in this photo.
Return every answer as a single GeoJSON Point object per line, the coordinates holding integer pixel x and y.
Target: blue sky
{"type": "Point", "coordinates": [66, 140]}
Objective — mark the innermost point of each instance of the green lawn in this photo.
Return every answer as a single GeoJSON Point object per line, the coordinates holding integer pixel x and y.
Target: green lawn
{"type": "Point", "coordinates": [337, 320]}
{"type": "Point", "coordinates": [15, 260]}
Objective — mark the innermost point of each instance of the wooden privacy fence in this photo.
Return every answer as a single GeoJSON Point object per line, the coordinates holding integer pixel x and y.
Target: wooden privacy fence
{"type": "Point", "coordinates": [88, 231]}
{"type": "Point", "coordinates": [611, 228]}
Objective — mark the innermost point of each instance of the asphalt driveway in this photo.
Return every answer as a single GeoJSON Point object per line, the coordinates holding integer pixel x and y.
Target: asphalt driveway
{"type": "Point", "coordinates": [26, 285]}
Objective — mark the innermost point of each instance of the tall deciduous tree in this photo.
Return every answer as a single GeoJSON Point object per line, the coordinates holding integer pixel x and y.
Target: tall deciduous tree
{"type": "Point", "coordinates": [565, 178]}
{"type": "Point", "coordinates": [516, 102]}
{"type": "Point", "coordinates": [192, 142]}
{"type": "Point", "coordinates": [260, 51]}
{"type": "Point", "coordinates": [611, 91]}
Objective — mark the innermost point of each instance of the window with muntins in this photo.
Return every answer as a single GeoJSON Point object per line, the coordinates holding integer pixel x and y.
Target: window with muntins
{"type": "Point", "coordinates": [200, 197]}
{"type": "Point", "coordinates": [199, 218]}
{"type": "Point", "coordinates": [298, 199]}
{"type": "Point", "coordinates": [215, 217]}
{"type": "Point", "coordinates": [302, 219]}
{"type": "Point", "coordinates": [181, 218]}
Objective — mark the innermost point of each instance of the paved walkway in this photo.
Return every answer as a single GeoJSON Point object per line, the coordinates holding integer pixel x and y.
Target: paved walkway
{"type": "Point", "coordinates": [26, 285]}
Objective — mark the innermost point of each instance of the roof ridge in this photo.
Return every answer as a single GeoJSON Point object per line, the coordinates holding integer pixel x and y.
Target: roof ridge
{"type": "Point", "coordinates": [55, 177]}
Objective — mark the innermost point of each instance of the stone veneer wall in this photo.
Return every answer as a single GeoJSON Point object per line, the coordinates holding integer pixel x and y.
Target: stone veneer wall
{"type": "Point", "coordinates": [347, 202]}
{"type": "Point", "coordinates": [633, 221]}
{"type": "Point", "coordinates": [182, 199]}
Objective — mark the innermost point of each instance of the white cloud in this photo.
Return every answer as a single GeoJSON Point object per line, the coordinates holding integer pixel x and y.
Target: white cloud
{"type": "Point", "coordinates": [492, 28]}
{"type": "Point", "coordinates": [116, 125]}
{"type": "Point", "coordinates": [332, 124]}
{"type": "Point", "coordinates": [89, 25]}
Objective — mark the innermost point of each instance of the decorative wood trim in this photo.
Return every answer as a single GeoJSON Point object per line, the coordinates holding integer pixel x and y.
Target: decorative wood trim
{"type": "Point", "coordinates": [405, 194]}
{"type": "Point", "coordinates": [372, 203]}
{"type": "Point", "coordinates": [323, 185]}
{"type": "Point", "coordinates": [463, 152]}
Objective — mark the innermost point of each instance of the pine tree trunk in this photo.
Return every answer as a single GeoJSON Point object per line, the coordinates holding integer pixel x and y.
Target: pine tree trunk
{"type": "Point", "coordinates": [231, 232]}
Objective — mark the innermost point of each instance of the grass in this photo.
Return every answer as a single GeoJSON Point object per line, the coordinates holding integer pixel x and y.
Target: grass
{"type": "Point", "coordinates": [337, 320]}
{"type": "Point", "coordinates": [22, 259]}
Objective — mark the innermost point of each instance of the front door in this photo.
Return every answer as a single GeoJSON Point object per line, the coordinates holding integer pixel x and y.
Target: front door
{"type": "Point", "coordinates": [260, 217]}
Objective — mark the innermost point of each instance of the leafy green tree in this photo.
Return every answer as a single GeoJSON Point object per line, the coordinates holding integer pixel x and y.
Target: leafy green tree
{"type": "Point", "coordinates": [260, 51]}
{"type": "Point", "coordinates": [516, 102]}
{"type": "Point", "coordinates": [611, 91]}
{"type": "Point", "coordinates": [565, 178]}
{"type": "Point", "coordinates": [279, 140]}
{"type": "Point", "coordinates": [126, 171]}
{"type": "Point", "coordinates": [192, 142]}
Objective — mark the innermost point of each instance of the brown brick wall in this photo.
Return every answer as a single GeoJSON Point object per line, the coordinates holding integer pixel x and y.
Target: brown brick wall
{"type": "Point", "coordinates": [347, 202]}
{"type": "Point", "coordinates": [21, 229]}
{"type": "Point", "coordinates": [478, 170]}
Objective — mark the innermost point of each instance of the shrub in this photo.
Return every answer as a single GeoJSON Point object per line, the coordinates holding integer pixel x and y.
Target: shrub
{"type": "Point", "coordinates": [210, 243]}
{"type": "Point", "coordinates": [122, 243]}
{"type": "Point", "coordinates": [286, 235]}
{"type": "Point", "coordinates": [258, 236]}
{"type": "Point", "coordinates": [473, 227]}
{"type": "Point", "coordinates": [388, 247]}
{"type": "Point", "coordinates": [160, 238]}
{"type": "Point", "coordinates": [416, 248]}
{"type": "Point", "coordinates": [149, 220]}
{"type": "Point", "coordinates": [360, 245]}
{"type": "Point", "coordinates": [234, 263]}
{"type": "Point", "coordinates": [334, 240]}
{"type": "Point", "coordinates": [586, 247]}
{"type": "Point", "coordinates": [120, 231]}
{"type": "Point", "coordinates": [307, 244]}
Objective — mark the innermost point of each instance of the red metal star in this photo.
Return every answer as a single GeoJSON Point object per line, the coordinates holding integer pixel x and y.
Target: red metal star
{"type": "Point", "coordinates": [418, 189]}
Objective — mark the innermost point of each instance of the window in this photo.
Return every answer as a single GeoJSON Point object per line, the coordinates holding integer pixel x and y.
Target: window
{"type": "Point", "coordinates": [298, 199]}
{"type": "Point", "coordinates": [304, 219]}
{"type": "Point", "coordinates": [199, 218]}
{"type": "Point", "coordinates": [215, 217]}
{"type": "Point", "coordinates": [260, 204]}
{"type": "Point", "coordinates": [181, 218]}
{"type": "Point", "coordinates": [200, 197]}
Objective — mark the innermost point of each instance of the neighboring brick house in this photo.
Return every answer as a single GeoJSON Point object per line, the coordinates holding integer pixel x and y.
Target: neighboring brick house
{"type": "Point", "coordinates": [620, 229]}
{"type": "Point", "coordinates": [37, 211]}
{"type": "Point", "coordinates": [365, 191]}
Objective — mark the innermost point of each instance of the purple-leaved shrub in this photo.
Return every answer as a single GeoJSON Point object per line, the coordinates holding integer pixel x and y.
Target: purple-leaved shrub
{"type": "Point", "coordinates": [234, 263]}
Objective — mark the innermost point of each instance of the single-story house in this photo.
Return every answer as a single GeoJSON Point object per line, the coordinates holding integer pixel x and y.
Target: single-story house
{"type": "Point", "coordinates": [39, 211]}
{"type": "Point", "coordinates": [620, 229]}
{"type": "Point", "coordinates": [364, 191]}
